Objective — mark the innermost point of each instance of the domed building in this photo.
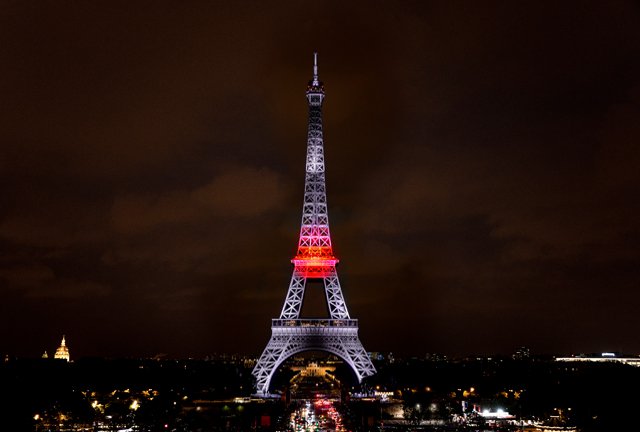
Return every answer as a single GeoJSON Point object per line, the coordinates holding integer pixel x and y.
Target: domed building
{"type": "Point", "coordinates": [62, 352]}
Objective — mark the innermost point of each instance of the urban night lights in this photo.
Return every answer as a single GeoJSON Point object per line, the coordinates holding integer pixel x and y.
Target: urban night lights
{"type": "Point", "coordinates": [481, 169]}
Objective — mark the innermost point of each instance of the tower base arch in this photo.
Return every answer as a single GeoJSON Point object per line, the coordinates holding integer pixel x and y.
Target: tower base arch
{"type": "Point", "coordinates": [290, 337]}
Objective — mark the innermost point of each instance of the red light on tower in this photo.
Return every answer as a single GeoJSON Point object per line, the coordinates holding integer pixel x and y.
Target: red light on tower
{"type": "Point", "coordinates": [314, 262]}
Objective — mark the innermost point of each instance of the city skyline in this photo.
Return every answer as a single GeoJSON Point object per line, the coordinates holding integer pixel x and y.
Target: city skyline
{"type": "Point", "coordinates": [482, 174]}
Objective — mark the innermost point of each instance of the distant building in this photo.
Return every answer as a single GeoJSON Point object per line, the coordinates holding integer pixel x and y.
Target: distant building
{"type": "Point", "coordinates": [62, 352]}
{"type": "Point", "coordinates": [313, 369]}
{"type": "Point", "coordinates": [381, 356]}
{"type": "Point", "coordinates": [522, 353]}
{"type": "Point", "coordinates": [45, 355]}
{"type": "Point", "coordinates": [602, 357]}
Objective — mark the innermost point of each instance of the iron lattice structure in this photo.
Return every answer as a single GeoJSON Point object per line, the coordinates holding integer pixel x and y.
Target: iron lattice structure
{"type": "Point", "coordinates": [314, 259]}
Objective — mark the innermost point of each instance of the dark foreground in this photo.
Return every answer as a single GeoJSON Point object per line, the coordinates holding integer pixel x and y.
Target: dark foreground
{"type": "Point", "coordinates": [413, 394]}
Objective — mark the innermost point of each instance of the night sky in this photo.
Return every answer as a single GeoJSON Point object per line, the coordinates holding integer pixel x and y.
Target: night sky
{"type": "Point", "coordinates": [482, 172]}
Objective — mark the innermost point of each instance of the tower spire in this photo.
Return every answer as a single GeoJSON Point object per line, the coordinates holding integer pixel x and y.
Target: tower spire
{"type": "Point", "coordinates": [315, 69]}
{"type": "Point", "coordinates": [315, 90]}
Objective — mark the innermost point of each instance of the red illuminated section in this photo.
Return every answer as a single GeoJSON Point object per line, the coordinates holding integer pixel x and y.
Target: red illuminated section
{"type": "Point", "coordinates": [314, 262]}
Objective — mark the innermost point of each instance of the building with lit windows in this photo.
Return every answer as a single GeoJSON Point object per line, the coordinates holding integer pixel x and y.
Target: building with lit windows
{"type": "Point", "coordinates": [603, 357]}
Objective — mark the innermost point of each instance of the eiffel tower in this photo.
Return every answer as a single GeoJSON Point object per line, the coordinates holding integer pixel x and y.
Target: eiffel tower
{"type": "Point", "coordinates": [337, 334]}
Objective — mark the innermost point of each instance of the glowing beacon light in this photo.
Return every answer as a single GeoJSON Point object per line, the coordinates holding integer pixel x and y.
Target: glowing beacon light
{"type": "Point", "coordinates": [314, 262]}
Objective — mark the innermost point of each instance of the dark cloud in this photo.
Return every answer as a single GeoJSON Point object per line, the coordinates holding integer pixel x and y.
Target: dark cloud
{"type": "Point", "coordinates": [482, 172]}
{"type": "Point", "coordinates": [237, 193]}
{"type": "Point", "coordinates": [39, 282]}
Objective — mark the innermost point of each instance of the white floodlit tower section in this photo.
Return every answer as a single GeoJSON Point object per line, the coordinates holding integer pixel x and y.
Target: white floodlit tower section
{"type": "Point", "coordinates": [337, 334]}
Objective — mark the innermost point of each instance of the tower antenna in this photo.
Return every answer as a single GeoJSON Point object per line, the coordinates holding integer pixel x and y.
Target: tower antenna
{"type": "Point", "coordinates": [315, 69]}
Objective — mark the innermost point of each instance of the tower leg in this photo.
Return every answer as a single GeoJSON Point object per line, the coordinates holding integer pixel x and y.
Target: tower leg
{"type": "Point", "coordinates": [335, 300]}
{"type": "Point", "coordinates": [295, 294]}
{"type": "Point", "coordinates": [271, 358]}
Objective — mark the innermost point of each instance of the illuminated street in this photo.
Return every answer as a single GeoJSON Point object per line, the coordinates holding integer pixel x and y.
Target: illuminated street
{"type": "Point", "coordinates": [319, 415]}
